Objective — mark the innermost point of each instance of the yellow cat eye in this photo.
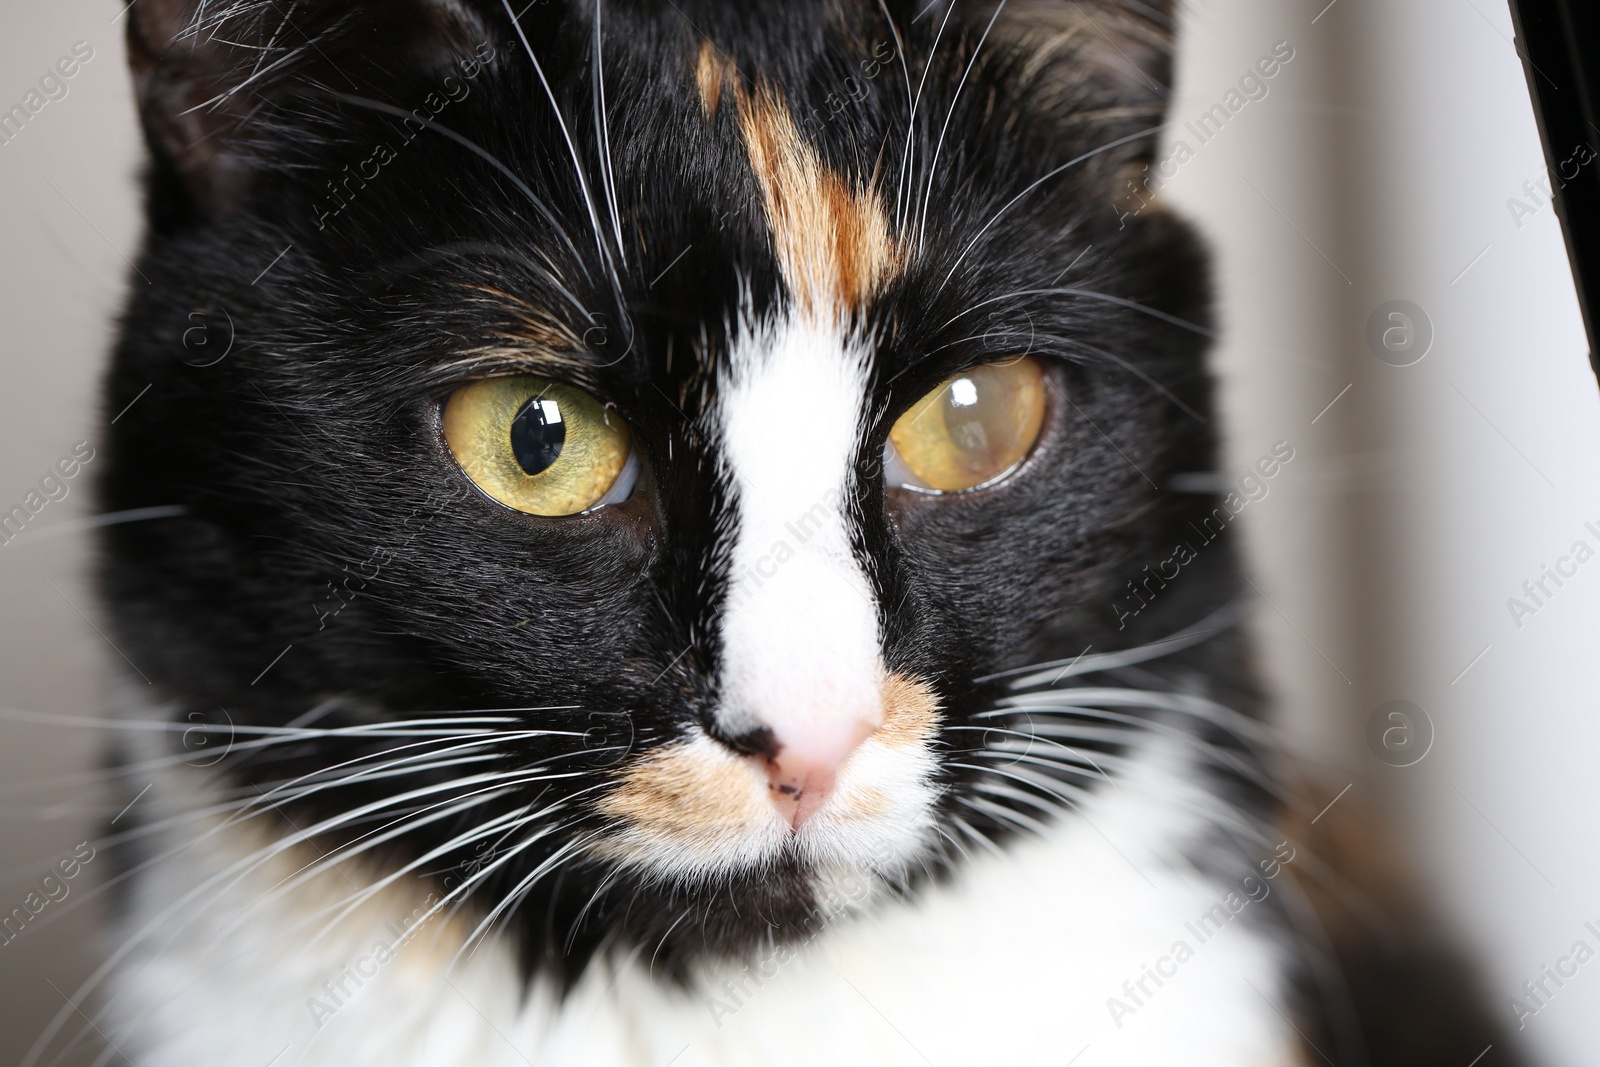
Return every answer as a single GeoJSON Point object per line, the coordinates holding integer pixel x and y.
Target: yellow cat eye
{"type": "Point", "coordinates": [972, 430]}
{"type": "Point", "coordinates": [539, 446]}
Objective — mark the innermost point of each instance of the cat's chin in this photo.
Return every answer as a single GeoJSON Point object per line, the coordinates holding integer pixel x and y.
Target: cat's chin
{"type": "Point", "coordinates": [695, 814]}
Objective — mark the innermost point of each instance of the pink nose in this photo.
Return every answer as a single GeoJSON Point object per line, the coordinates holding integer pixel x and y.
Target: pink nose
{"type": "Point", "coordinates": [801, 776]}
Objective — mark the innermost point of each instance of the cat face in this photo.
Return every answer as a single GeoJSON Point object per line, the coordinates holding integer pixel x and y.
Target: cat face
{"type": "Point", "coordinates": [650, 431]}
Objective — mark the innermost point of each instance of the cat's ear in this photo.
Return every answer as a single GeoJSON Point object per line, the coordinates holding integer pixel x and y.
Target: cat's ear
{"type": "Point", "coordinates": [210, 74]}
{"type": "Point", "coordinates": [1086, 49]}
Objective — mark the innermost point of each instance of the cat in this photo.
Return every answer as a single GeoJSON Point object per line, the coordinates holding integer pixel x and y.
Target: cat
{"type": "Point", "coordinates": [646, 587]}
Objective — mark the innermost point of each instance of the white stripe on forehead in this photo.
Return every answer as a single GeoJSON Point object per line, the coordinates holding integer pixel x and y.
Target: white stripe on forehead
{"type": "Point", "coordinates": [800, 631]}
{"type": "Point", "coordinates": [800, 628]}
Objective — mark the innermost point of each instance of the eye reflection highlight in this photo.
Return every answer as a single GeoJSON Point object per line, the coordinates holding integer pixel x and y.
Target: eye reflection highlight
{"type": "Point", "coordinates": [971, 431]}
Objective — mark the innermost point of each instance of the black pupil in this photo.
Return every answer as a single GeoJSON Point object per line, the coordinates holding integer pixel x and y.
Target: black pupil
{"type": "Point", "coordinates": [538, 434]}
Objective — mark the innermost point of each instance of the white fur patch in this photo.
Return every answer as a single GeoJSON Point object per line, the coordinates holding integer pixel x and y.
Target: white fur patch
{"type": "Point", "coordinates": [1014, 961]}
{"type": "Point", "coordinates": [800, 632]}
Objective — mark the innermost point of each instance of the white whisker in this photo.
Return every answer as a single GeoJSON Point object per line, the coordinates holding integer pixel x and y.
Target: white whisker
{"type": "Point", "coordinates": [608, 175]}
{"type": "Point", "coordinates": [572, 148]}
{"type": "Point", "coordinates": [908, 174]}
{"type": "Point", "coordinates": [905, 70]}
{"type": "Point", "coordinates": [1108, 146]}
{"type": "Point", "coordinates": [955, 99]}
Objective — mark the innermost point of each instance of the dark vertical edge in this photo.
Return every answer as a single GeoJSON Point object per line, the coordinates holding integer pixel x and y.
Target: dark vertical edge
{"type": "Point", "coordinates": [1559, 42]}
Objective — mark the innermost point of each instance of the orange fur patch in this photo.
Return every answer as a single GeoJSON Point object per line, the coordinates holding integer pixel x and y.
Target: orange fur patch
{"type": "Point", "coordinates": [831, 235]}
{"type": "Point", "coordinates": [832, 238]}
{"type": "Point", "coordinates": [532, 329]}
{"type": "Point", "coordinates": [698, 794]}
{"type": "Point", "coordinates": [709, 72]}
{"type": "Point", "coordinates": [691, 793]}
{"type": "Point", "coordinates": [868, 803]}
{"type": "Point", "coordinates": [910, 713]}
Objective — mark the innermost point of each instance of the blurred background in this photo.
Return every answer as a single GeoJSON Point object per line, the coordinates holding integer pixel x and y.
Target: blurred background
{"type": "Point", "coordinates": [1394, 158]}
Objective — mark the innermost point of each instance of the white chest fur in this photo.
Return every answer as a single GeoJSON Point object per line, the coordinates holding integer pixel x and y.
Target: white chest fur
{"type": "Point", "coordinates": [1081, 946]}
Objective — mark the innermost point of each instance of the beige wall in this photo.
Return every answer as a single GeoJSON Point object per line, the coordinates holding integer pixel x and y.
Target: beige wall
{"type": "Point", "coordinates": [1377, 167]}
{"type": "Point", "coordinates": [1380, 168]}
{"type": "Point", "coordinates": [68, 214]}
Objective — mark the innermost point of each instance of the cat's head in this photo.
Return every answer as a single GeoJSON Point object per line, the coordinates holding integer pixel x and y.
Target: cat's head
{"type": "Point", "coordinates": [630, 438]}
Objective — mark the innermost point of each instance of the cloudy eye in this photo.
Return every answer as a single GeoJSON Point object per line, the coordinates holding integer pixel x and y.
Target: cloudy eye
{"type": "Point", "coordinates": [972, 430]}
{"type": "Point", "coordinates": [539, 446]}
